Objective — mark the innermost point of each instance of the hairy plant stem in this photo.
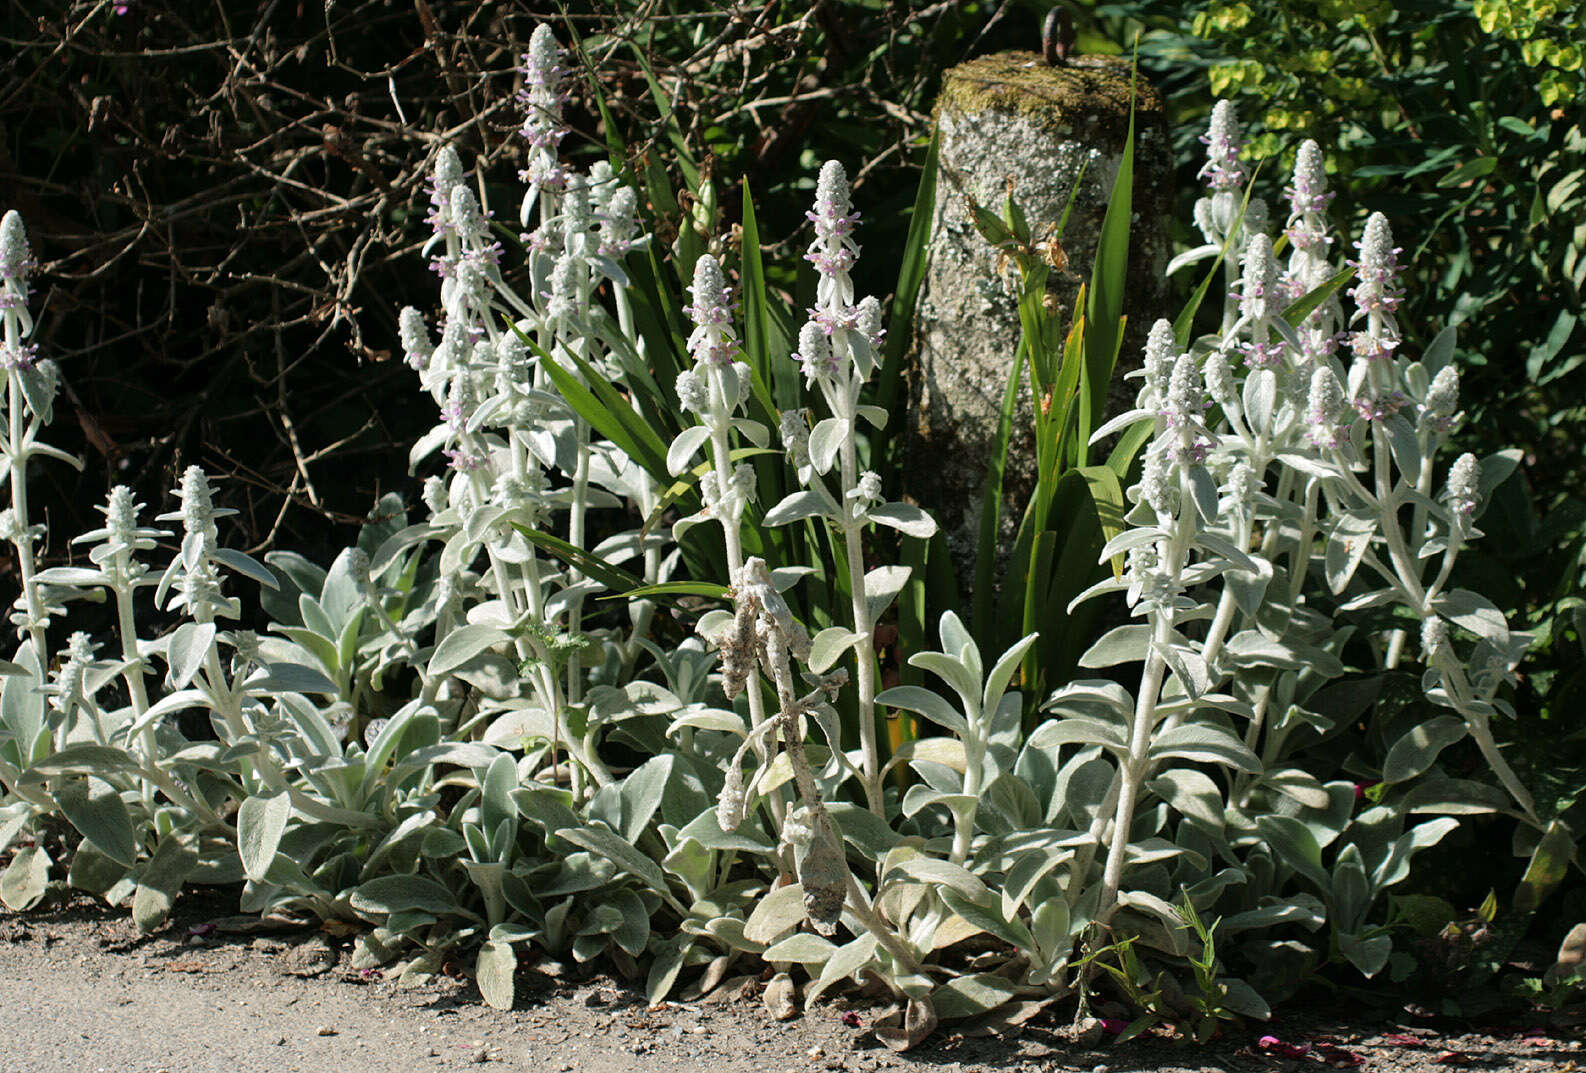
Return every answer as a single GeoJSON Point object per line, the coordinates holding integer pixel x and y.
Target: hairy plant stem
{"type": "Point", "coordinates": [23, 542]}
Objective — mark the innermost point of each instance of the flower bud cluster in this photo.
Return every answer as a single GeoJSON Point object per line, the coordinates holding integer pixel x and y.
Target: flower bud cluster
{"type": "Point", "coordinates": [542, 98]}
{"type": "Point", "coordinates": [712, 341]}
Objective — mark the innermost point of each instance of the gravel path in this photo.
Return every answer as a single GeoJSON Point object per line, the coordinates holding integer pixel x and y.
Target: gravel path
{"type": "Point", "coordinates": [80, 991]}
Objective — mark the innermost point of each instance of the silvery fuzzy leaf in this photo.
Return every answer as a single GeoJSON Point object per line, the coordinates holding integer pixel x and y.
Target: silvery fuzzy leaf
{"type": "Point", "coordinates": [1260, 398]}
{"type": "Point", "coordinates": [1122, 421]}
{"type": "Point", "coordinates": [922, 701]}
{"type": "Point", "coordinates": [882, 586]}
{"type": "Point", "coordinates": [1367, 600]}
{"type": "Point", "coordinates": [971, 996]}
{"type": "Point", "coordinates": [25, 879]}
{"type": "Point", "coordinates": [1298, 785]}
{"type": "Point", "coordinates": [1130, 538]}
{"type": "Point", "coordinates": [1236, 556]}
{"type": "Point", "coordinates": [1204, 743]}
{"type": "Point", "coordinates": [1249, 588]}
{"type": "Point", "coordinates": [804, 948]}
{"type": "Point", "coordinates": [1367, 955]}
{"type": "Point", "coordinates": [921, 796]}
{"type": "Point", "coordinates": [1082, 786]}
{"type": "Point", "coordinates": [494, 969]}
{"type": "Point", "coordinates": [1404, 445]}
{"type": "Point", "coordinates": [906, 518]}
{"type": "Point", "coordinates": [784, 578]}
{"type": "Point", "coordinates": [1080, 730]}
{"type": "Point", "coordinates": [826, 439]}
{"type": "Point", "coordinates": [1303, 909]}
{"type": "Point", "coordinates": [1417, 750]}
{"type": "Point", "coordinates": [777, 913]}
{"type": "Point", "coordinates": [1296, 847]}
{"type": "Point", "coordinates": [1440, 351]}
{"type": "Point", "coordinates": [708, 833]}
{"type": "Point", "coordinates": [1416, 380]}
{"type": "Point", "coordinates": [1079, 696]}
{"type": "Point", "coordinates": [1454, 797]}
{"type": "Point", "coordinates": [1307, 464]}
{"type": "Point", "coordinates": [1154, 850]}
{"type": "Point", "coordinates": [1121, 644]}
{"type": "Point", "coordinates": [1495, 469]}
{"type": "Point", "coordinates": [161, 881]}
{"type": "Point", "coordinates": [685, 447]}
{"type": "Point", "coordinates": [1028, 870]}
{"type": "Point", "coordinates": [1189, 668]}
{"type": "Point", "coordinates": [1395, 866]}
{"type": "Point", "coordinates": [943, 874]}
{"type": "Point", "coordinates": [1192, 794]}
{"type": "Point", "coordinates": [1203, 489]}
{"type": "Point", "coordinates": [752, 430]}
{"type": "Point", "coordinates": [261, 821]}
{"type": "Point", "coordinates": [842, 964]}
{"type": "Point", "coordinates": [1351, 892]}
{"type": "Point", "coordinates": [1475, 613]}
{"type": "Point", "coordinates": [1243, 999]}
{"type": "Point", "coordinates": [426, 445]}
{"type": "Point", "coordinates": [876, 415]}
{"type": "Point", "coordinates": [463, 644]}
{"type": "Point", "coordinates": [95, 808]}
{"type": "Point", "coordinates": [618, 851]}
{"type": "Point", "coordinates": [1252, 648]}
{"type": "Point", "coordinates": [1347, 544]}
{"type": "Point", "coordinates": [863, 829]}
{"type": "Point", "coordinates": [798, 506]}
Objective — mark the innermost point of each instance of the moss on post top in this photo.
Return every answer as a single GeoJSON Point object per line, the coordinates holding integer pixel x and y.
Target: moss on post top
{"type": "Point", "coordinates": [1088, 91]}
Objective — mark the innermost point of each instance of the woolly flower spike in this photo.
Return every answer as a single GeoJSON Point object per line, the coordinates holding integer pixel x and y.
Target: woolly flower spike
{"type": "Point", "coordinates": [619, 230]}
{"type": "Point", "coordinates": [1155, 488]}
{"type": "Point", "coordinates": [564, 295]}
{"type": "Point", "coordinates": [1442, 399]}
{"type": "Point", "coordinates": [1434, 638]}
{"type": "Point", "coordinates": [1186, 403]}
{"type": "Point", "coordinates": [198, 511]}
{"type": "Point", "coordinates": [1309, 192]}
{"type": "Point", "coordinates": [865, 494]}
{"type": "Point", "coordinates": [416, 345]}
{"type": "Point", "coordinates": [542, 95]}
{"type": "Point", "coordinates": [71, 682]}
{"type": "Point", "coordinates": [712, 342]}
{"type": "Point", "coordinates": [1377, 269]}
{"type": "Point", "coordinates": [121, 535]}
{"type": "Point", "coordinates": [868, 321]}
{"type": "Point", "coordinates": [815, 353]}
{"type": "Point", "coordinates": [1259, 288]}
{"type": "Point", "coordinates": [1463, 492]}
{"type": "Point", "coordinates": [1242, 487]}
{"type": "Point", "coordinates": [1222, 170]}
{"type": "Point", "coordinates": [1220, 381]}
{"type": "Point", "coordinates": [16, 264]}
{"type": "Point", "coordinates": [1159, 348]}
{"type": "Point", "coordinates": [834, 250]}
{"type": "Point", "coordinates": [692, 394]}
{"type": "Point", "coordinates": [16, 257]}
{"type": "Point", "coordinates": [1324, 410]}
{"type": "Point", "coordinates": [796, 439]}
{"type": "Point", "coordinates": [446, 178]}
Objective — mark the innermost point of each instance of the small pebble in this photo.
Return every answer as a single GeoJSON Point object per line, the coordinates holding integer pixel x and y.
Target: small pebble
{"type": "Point", "coordinates": [326, 1030]}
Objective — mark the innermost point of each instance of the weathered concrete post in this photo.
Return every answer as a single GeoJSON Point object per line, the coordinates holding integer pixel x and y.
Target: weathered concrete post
{"type": "Point", "coordinates": [1015, 119]}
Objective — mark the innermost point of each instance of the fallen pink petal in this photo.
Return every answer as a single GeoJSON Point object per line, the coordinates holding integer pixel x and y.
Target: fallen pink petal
{"type": "Point", "coordinates": [1282, 1048]}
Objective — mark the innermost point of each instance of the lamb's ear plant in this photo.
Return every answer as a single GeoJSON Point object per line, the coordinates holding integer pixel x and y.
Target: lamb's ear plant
{"type": "Point", "coordinates": [573, 698]}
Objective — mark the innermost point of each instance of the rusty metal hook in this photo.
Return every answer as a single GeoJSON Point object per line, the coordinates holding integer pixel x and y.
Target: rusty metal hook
{"type": "Point", "coordinates": [1057, 37]}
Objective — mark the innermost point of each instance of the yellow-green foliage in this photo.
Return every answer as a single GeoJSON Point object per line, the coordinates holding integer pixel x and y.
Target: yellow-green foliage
{"type": "Point", "coordinates": [1552, 36]}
